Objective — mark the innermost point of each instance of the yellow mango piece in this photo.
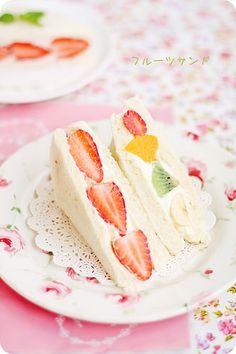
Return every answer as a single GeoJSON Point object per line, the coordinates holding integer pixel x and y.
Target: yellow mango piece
{"type": "Point", "coordinates": [144, 146]}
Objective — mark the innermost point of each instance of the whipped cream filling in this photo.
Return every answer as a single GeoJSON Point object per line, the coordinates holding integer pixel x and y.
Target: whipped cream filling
{"type": "Point", "coordinates": [166, 200]}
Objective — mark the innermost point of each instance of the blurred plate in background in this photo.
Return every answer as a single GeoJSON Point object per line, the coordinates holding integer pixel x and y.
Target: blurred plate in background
{"type": "Point", "coordinates": [44, 78]}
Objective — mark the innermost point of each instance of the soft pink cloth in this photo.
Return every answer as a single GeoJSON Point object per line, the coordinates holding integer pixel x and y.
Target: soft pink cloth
{"type": "Point", "coordinates": [20, 124]}
{"type": "Point", "coordinates": [27, 328]}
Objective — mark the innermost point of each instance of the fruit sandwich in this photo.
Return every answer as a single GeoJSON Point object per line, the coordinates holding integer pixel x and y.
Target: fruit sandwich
{"type": "Point", "coordinates": [96, 196]}
{"type": "Point", "coordinates": [158, 177]}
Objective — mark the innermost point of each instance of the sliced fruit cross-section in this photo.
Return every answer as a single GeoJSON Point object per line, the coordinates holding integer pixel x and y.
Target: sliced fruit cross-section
{"type": "Point", "coordinates": [109, 202]}
{"type": "Point", "coordinates": [4, 51]}
{"type": "Point", "coordinates": [161, 180]}
{"type": "Point", "coordinates": [85, 153]}
{"type": "Point", "coordinates": [144, 147]}
{"type": "Point", "coordinates": [133, 252]}
{"type": "Point", "coordinates": [178, 210]}
{"type": "Point", "coordinates": [134, 123]}
{"type": "Point", "coordinates": [66, 47]}
{"type": "Point", "coordinates": [25, 50]}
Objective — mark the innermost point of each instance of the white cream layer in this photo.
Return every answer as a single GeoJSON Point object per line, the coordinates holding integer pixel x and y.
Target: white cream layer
{"type": "Point", "coordinates": [166, 200]}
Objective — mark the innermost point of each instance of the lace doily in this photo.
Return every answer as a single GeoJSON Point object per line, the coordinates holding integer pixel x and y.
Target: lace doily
{"type": "Point", "coordinates": [56, 234]}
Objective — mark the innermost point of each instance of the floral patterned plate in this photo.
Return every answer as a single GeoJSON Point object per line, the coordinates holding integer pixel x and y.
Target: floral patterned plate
{"type": "Point", "coordinates": [32, 273]}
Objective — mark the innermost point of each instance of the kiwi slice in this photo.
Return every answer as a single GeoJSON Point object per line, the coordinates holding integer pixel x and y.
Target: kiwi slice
{"type": "Point", "coordinates": [161, 180]}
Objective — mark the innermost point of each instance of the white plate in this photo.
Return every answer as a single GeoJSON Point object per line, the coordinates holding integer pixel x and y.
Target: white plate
{"type": "Point", "coordinates": [30, 272]}
{"type": "Point", "coordinates": [46, 78]}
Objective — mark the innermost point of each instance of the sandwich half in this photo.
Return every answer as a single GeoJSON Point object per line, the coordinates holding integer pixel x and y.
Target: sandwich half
{"type": "Point", "coordinates": [158, 177]}
{"type": "Point", "coordinates": [98, 199]}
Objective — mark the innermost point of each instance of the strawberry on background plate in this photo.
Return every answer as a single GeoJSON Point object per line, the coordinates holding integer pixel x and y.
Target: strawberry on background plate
{"type": "Point", "coordinates": [109, 202]}
{"type": "Point", "coordinates": [66, 47]}
{"type": "Point", "coordinates": [4, 51]}
{"type": "Point", "coordinates": [134, 123]}
{"type": "Point", "coordinates": [85, 153]}
{"type": "Point", "coordinates": [24, 50]}
{"type": "Point", "coordinates": [133, 252]}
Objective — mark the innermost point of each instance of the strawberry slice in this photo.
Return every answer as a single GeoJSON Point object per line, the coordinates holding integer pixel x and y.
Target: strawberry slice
{"type": "Point", "coordinates": [109, 202]}
{"type": "Point", "coordinates": [67, 47]}
{"type": "Point", "coordinates": [133, 252]}
{"type": "Point", "coordinates": [85, 153]}
{"type": "Point", "coordinates": [23, 50]}
{"type": "Point", "coordinates": [134, 123]}
{"type": "Point", "coordinates": [4, 51]}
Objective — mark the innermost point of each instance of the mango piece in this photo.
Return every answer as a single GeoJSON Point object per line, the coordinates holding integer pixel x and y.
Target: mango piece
{"type": "Point", "coordinates": [144, 146]}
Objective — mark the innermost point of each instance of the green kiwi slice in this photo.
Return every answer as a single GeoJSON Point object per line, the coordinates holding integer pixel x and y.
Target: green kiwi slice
{"type": "Point", "coordinates": [161, 180]}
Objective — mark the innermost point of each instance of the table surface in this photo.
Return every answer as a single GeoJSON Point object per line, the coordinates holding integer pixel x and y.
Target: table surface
{"type": "Point", "coordinates": [178, 54]}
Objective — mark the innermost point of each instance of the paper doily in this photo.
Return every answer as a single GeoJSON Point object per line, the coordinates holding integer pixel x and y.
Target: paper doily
{"type": "Point", "coordinates": [57, 235]}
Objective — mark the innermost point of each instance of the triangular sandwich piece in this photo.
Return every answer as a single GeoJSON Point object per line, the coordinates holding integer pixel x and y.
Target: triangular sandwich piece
{"type": "Point", "coordinates": [93, 192]}
{"type": "Point", "coordinates": [158, 177]}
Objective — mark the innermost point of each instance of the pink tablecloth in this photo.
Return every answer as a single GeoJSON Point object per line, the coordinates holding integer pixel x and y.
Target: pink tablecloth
{"type": "Point", "coordinates": [27, 328]}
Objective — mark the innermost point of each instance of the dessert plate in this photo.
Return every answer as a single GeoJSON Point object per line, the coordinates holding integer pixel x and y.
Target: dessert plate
{"type": "Point", "coordinates": [48, 77]}
{"type": "Point", "coordinates": [32, 273]}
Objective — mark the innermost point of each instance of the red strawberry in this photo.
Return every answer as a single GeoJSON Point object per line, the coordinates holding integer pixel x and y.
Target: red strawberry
{"type": "Point", "coordinates": [23, 50]}
{"type": "Point", "coordinates": [134, 123]}
{"type": "Point", "coordinates": [85, 153]}
{"type": "Point", "coordinates": [66, 47]}
{"type": "Point", "coordinates": [4, 51]}
{"type": "Point", "coordinates": [109, 202]}
{"type": "Point", "coordinates": [133, 252]}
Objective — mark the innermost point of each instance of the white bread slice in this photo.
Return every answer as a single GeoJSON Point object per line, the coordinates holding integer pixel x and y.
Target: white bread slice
{"type": "Point", "coordinates": [70, 186]}
{"type": "Point", "coordinates": [139, 174]}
